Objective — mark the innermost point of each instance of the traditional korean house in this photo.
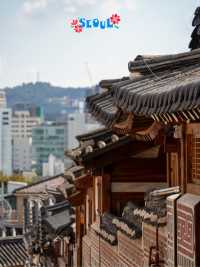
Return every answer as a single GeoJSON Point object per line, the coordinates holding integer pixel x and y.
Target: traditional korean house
{"type": "Point", "coordinates": [49, 220]}
{"type": "Point", "coordinates": [151, 140]}
{"type": "Point", "coordinates": [45, 187]}
{"type": "Point", "coordinates": [49, 233]}
{"type": "Point", "coordinates": [114, 180]}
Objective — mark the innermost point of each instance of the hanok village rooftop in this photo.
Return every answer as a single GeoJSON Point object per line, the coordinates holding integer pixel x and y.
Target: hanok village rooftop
{"type": "Point", "coordinates": [133, 197]}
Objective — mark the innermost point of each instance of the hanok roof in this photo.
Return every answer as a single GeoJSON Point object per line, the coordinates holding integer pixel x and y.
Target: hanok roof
{"type": "Point", "coordinates": [12, 252]}
{"type": "Point", "coordinates": [43, 185]}
{"type": "Point", "coordinates": [59, 217]}
{"type": "Point", "coordinates": [161, 63]}
{"type": "Point", "coordinates": [103, 147]}
{"type": "Point", "coordinates": [102, 108]}
{"type": "Point", "coordinates": [97, 143]}
{"type": "Point", "coordinates": [166, 89]}
{"type": "Point", "coordinates": [167, 93]}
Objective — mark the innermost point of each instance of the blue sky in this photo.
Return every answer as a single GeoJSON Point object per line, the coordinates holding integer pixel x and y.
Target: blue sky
{"type": "Point", "coordinates": [36, 37]}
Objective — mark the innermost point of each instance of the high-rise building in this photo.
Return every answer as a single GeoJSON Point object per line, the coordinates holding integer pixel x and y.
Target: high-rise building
{"type": "Point", "coordinates": [22, 123]}
{"type": "Point", "coordinates": [5, 136]}
{"type": "Point", "coordinates": [53, 167]}
{"type": "Point", "coordinates": [48, 139]}
{"type": "Point", "coordinates": [76, 126]}
{"type": "Point", "coordinates": [2, 99]}
{"type": "Point", "coordinates": [55, 138]}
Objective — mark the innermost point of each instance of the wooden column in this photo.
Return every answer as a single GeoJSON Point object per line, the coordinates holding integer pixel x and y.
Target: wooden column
{"type": "Point", "coordinates": [78, 242]}
{"type": "Point", "coordinates": [79, 233]}
{"type": "Point", "coordinates": [106, 193]}
{"type": "Point", "coordinates": [183, 163]}
{"type": "Point", "coordinates": [168, 158]}
{"type": "Point", "coordinates": [93, 200]}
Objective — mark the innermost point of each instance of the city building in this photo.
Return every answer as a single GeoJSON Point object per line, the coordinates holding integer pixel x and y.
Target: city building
{"type": "Point", "coordinates": [48, 139]}
{"type": "Point", "coordinates": [5, 137]}
{"type": "Point", "coordinates": [76, 126]}
{"type": "Point", "coordinates": [53, 167]}
{"type": "Point", "coordinates": [23, 122]}
{"type": "Point", "coordinates": [54, 138]}
{"type": "Point", "coordinates": [3, 103]}
{"type": "Point", "coordinates": [35, 111]}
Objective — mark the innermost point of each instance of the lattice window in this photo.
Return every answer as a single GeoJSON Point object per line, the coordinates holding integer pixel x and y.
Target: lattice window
{"type": "Point", "coordinates": [196, 158]}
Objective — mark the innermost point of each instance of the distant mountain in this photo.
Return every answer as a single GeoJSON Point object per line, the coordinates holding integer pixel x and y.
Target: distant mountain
{"type": "Point", "coordinates": [55, 100]}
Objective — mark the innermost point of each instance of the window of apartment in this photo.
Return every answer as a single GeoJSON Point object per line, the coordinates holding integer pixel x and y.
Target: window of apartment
{"type": "Point", "coordinates": [39, 131]}
{"type": "Point", "coordinates": [60, 131]}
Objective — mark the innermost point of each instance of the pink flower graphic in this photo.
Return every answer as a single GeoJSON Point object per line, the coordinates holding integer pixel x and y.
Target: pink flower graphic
{"type": "Point", "coordinates": [76, 25]}
{"type": "Point", "coordinates": [74, 22]}
{"type": "Point", "coordinates": [78, 28]}
{"type": "Point", "coordinates": [115, 19]}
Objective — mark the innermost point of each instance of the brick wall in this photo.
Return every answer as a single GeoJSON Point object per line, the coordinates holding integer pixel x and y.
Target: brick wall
{"type": "Point", "coordinates": [149, 239]}
{"type": "Point", "coordinates": [130, 252]}
{"type": "Point", "coordinates": [86, 251]}
{"type": "Point", "coordinates": [95, 242]}
{"type": "Point", "coordinates": [188, 235]}
{"type": "Point", "coordinates": [172, 230]}
{"type": "Point", "coordinates": [108, 254]}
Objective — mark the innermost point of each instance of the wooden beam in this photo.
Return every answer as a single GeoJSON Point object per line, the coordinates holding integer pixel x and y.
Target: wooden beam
{"type": "Point", "coordinates": [116, 155]}
{"type": "Point", "coordinates": [83, 182]}
{"type": "Point", "coordinates": [135, 187]}
{"type": "Point", "coordinates": [77, 199]}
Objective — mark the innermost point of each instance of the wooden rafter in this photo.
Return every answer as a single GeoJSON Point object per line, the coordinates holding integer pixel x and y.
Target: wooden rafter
{"type": "Point", "coordinates": [124, 127]}
{"type": "Point", "coordinates": [150, 133]}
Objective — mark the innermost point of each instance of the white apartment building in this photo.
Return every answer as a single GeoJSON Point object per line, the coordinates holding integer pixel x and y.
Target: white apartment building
{"type": "Point", "coordinates": [76, 126]}
{"type": "Point", "coordinates": [3, 103]}
{"type": "Point", "coordinates": [5, 140]}
{"type": "Point", "coordinates": [22, 124]}
{"type": "Point", "coordinates": [53, 167]}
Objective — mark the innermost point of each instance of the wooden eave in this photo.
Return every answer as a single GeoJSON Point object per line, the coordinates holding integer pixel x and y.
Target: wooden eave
{"type": "Point", "coordinates": [77, 198]}
{"type": "Point", "coordinates": [116, 155]}
{"type": "Point", "coordinates": [83, 182]}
